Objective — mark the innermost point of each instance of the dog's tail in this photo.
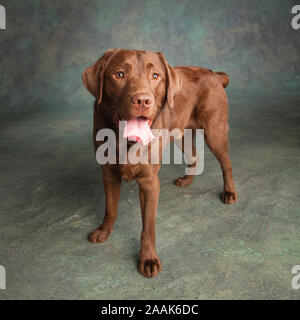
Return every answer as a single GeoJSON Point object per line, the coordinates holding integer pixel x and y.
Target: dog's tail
{"type": "Point", "coordinates": [223, 77]}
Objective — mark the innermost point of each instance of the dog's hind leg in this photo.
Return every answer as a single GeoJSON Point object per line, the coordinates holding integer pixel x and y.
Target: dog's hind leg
{"type": "Point", "coordinates": [217, 141]}
{"type": "Point", "coordinates": [190, 156]}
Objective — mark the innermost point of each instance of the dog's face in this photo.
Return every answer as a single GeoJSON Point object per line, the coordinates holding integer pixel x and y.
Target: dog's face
{"type": "Point", "coordinates": [135, 84]}
{"type": "Point", "coordinates": [129, 84]}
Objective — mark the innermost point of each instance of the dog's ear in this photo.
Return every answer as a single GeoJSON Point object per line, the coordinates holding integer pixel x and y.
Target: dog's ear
{"type": "Point", "coordinates": [173, 81]}
{"type": "Point", "coordinates": [93, 76]}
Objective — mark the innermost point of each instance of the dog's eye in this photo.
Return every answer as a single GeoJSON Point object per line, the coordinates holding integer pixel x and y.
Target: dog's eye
{"type": "Point", "coordinates": [155, 76]}
{"type": "Point", "coordinates": [120, 75]}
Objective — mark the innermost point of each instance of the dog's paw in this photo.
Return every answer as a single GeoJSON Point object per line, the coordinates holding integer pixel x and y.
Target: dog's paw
{"type": "Point", "coordinates": [99, 235]}
{"type": "Point", "coordinates": [183, 181]}
{"type": "Point", "coordinates": [229, 197]}
{"type": "Point", "coordinates": [150, 267]}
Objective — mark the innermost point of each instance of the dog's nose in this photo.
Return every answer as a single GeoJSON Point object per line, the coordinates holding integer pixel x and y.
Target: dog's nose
{"type": "Point", "coordinates": [141, 100]}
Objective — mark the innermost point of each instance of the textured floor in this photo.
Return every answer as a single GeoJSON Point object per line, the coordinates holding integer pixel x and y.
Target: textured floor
{"type": "Point", "coordinates": [52, 196]}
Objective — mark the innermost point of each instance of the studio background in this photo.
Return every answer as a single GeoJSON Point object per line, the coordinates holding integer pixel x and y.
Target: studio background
{"type": "Point", "coordinates": [51, 190]}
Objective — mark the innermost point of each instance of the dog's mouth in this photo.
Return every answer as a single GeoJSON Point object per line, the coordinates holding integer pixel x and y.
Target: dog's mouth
{"type": "Point", "coordinates": [139, 118]}
{"type": "Point", "coordinates": [137, 129]}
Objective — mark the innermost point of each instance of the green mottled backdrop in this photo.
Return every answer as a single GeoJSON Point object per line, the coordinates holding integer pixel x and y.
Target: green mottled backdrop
{"type": "Point", "coordinates": [48, 43]}
{"type": "Point", "coordinates": [51, 195]}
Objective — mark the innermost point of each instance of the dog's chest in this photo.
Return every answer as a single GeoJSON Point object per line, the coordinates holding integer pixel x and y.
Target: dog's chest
{"type": "Point", "coordinates": [129, 171]}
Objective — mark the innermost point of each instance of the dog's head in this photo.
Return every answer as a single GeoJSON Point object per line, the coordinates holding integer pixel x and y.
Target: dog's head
{"type": "Point", "coordinates": [129, 83]}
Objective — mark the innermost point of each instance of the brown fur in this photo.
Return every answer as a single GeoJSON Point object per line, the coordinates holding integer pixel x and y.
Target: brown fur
{"type": "Point", "coordinates": [183, 97]}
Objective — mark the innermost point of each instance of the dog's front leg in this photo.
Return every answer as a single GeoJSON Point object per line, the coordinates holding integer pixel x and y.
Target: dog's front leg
{"type": "Point", "coordinates": [150, 264]}
{"type": "Point", "coordinates": [112, 186]}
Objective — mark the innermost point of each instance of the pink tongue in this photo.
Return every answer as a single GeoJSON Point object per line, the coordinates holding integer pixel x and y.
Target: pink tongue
{"type": "Point", "coordinates": [138, 130]}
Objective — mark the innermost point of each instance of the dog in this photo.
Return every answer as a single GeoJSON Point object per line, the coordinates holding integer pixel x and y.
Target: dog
{"type": "Point", "coordinates": [135, 85]}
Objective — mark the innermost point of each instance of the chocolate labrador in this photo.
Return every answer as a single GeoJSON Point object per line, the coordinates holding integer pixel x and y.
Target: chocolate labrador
{"type": "Point", "coordinates": [140, 86]}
